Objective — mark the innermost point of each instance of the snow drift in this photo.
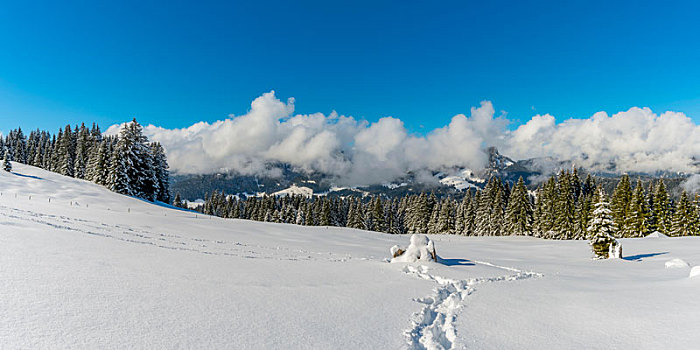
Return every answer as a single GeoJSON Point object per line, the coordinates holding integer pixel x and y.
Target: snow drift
{"type": "Point", "coordinates": [676, 263]}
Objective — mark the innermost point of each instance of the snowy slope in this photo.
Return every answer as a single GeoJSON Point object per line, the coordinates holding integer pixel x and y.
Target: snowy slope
{"type": "Point", "coordinates": [295, 190]}
{"type": "Point", "coordinates": [92, 269]}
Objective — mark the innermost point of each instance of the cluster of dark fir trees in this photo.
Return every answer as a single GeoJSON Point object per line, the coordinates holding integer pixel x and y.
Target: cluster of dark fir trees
{"type": "Point", "coordinates": [128, 163]}
{"type": "Point", "coordinates": [561, 208]}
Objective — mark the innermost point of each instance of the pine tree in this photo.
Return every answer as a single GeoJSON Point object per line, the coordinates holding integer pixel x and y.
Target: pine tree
{"type": "Point", "coordinates": [378, 215]}
{"type": "Point", "coordinates": [470, 214]}
{"type": "Point", "coordinates": [161, 173]}
{"type": "Point", "coordinates": [547, 209]}
{"type": "Point", "coordinates": [419, 214]}
{"type": "Point", "coordinates": [565, 206]}
{"type": "Point", "coordinates": [445, 220]}
{"type": "Point", "coordinates": [118, 180]}
{"type": "Point", "coordinates": [662, 208]}
{"type": "Point", "coordinates": [64, 152]}
{"type": "Point", "coordinates": [300, 216]}
{"type": "Point", "coordinates": [619, 204]}
{"type": "Point", "coordinates": [433, 223]}
{"type": "Point", "coordinates": [177, 202]}
{"type": "Point", "coordinates": [682, 223]}
{"type": "Point", "coordinates": [637, 220]}
{"type": "Point", "coordinates": [98, 166]}
{"type": "Point", "coordinates": [483, 213]}
{"type": "Point", "coordinates": [601, 229]}
{"type": "Point", "coordinates": [695, 222]}
{"type": "Point", "coordinates": [7, 164]}
{"type": "Point", "coordinates": [325, 219]}
{"type": "Point", "coordinates": [519, 211]}
{"type": "Point", "coordinates": [83, 146]}
{"type": "Point", "coordinates": [652, 219]}
{"type": "Point", "coordinates": [460, 214]}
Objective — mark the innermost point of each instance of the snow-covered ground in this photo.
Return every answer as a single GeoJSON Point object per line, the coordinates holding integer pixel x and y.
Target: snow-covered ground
{"type": "Point", "coordinates": [92, 269]}
{"type": "Point", "coordinates": [295, 190]}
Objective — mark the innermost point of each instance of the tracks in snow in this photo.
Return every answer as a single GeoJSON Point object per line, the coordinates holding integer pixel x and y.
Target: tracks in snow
{"type": "Point", "coordinates": [433, 326]}
{"type": "Point", "coordinates": [151, 237]}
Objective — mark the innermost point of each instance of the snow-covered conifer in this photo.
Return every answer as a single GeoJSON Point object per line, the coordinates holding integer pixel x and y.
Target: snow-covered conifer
{"type": "Point", "coordinates": [7, 164]}
{"type": "Point", "coordinates": [519, 211]}
{"type": "Point", "coordinates": [601, 228]}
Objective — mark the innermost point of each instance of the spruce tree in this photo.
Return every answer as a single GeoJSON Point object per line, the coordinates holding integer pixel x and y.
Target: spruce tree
{"type": "Point", "coordinates": [433, 223]}
{"type": "Point", "coordinates": [325, 219]}
{"type": "Point", "coordinates": [118, 180]}
{"type": "Point", "coordinates": [682, 223]}
{"type": "Point", "coordinates": [445, 221]}
{"type": "Point", "coordinates": [652, 213]}
{"type": "Point", "coordinates": [519, 211]}
{"type": "Point", "coordinates": [98, 166]}
{"type": "Point", "coordinates": [662, 208]}
{"type": "Point", "coordinates": [177, 202]}
{"type": "Point", "coordinates": [601, 228]}
{"type": "Point", "coordinates": [565, 206]}
{"type": "Point", "coordinates": [637, 220]}
{"type": "Point", "coordinates": [619, 204]}
{"type": "Point", "coordinates": [83, 146]}
{"type": "Point", "coordinates": [483, 211]}
{"type": "Point", "coordinates": [7, 164]}
{"type": "Point", "coordinates": [547, 209]}
{"type": "Point", "coordinates": [161, 173]}
{"type": "Point", "coordinates": [378, 215]}
{"type": "Point", "coordinates": [460, 214]}
{"type": "Point", "coordinates": [66, 153]}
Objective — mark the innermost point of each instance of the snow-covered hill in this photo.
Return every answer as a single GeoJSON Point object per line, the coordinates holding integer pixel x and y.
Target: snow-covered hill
{"type": "Point", "coordinates": [82, 267]}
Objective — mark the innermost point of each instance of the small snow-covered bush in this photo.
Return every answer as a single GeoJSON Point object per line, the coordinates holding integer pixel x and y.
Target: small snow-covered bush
{"type": "Point", "coordinates": [420, 249]}
{"type": "Point", "coordinates": [615, 250]}
{"type": "Point", "coordinates": [694, 272]}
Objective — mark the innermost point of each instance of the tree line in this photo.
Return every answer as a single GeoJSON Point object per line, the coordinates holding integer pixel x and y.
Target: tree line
{"type": "Point", "coordinates": [560, 208]}
{"type": "Point", "coordinates": [126, 163]}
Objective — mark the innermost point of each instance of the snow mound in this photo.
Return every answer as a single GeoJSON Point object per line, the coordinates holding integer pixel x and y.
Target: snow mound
{"type": "Point", "coordinates": [695, 272]}
{"type": "Point", "coordinates": [656, 234]}
{"type": "Point", "coordinates": [676, 263]}
{"type": "Point", "coordinates": [420, 249]}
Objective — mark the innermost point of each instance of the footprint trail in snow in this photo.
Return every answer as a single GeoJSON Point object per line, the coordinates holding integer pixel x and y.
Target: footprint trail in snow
{"type": "Point", "coordinates": [433, 326]}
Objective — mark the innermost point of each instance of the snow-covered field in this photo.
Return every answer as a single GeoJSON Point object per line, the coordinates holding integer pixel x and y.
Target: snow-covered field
{"type": "Point", "coordinates": [92, 269]}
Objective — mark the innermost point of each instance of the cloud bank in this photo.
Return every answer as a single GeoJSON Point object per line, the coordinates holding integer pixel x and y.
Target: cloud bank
{"type": "Point", "coordinates": [359, 152]}
{"type": "Point", "coordinates": [636, 140]}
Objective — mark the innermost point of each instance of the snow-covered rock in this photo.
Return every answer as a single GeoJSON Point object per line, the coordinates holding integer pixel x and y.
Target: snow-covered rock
{"type": "Point", "coordinates": [695, 272]}
{"type": "Point", "coordinates": [676, 263]}
{"type": "Point", "coordinates": [420, 249]}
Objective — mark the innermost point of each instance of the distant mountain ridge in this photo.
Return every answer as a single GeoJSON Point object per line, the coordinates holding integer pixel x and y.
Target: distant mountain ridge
{"type": "Point", "coordinates": [445, 182]}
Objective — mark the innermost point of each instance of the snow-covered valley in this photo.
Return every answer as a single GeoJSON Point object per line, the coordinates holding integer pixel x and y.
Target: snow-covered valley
{"type": "Point", "coordinates": [82, 267]}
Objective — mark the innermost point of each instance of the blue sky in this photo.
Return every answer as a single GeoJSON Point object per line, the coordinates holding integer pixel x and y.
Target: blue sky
{"type": "Point", "coordinates": [173, 64]}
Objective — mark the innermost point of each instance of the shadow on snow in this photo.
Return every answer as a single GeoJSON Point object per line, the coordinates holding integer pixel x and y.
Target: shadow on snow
{"type": "Point", "coordinates": [639, 257]}
{"type": "Point", "coordinates": [29, 176]}
{"type": "Point", "coordinates": [455, 262]}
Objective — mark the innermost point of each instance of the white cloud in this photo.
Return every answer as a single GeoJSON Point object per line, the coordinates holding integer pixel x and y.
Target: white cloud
{"type": "Point", "coordinates": [692, 184]}
{"type": "Point", "coordinates": [359, 152]}
{"type": "Point", "coordinates": [635, 140]}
